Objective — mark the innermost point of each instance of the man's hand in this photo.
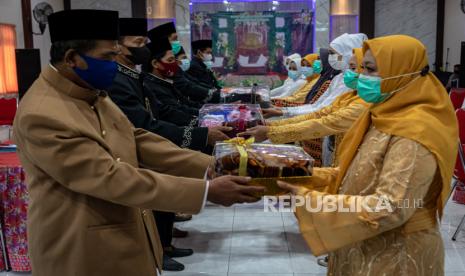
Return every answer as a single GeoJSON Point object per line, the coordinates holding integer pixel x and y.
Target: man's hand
{"type": "Point", "coordinates": [259, 132]}
{"type": "Point", "coordinates": [216, 134]}
{"type": "Point", "coordinates": [272, 112]}
{"type": "Point", "coordinates": [227, 190]}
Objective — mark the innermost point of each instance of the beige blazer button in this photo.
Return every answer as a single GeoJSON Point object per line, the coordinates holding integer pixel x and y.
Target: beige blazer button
{"type": "Point", "coordinates": [104, 133]}
{"type": "Point", "coordinates": [92, 107]}
{"type": "Point", "coordinates": [118, 159]}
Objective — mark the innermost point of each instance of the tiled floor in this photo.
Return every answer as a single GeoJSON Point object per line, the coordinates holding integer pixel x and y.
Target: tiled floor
{"type": "Point", "coordinates": [245, 241]}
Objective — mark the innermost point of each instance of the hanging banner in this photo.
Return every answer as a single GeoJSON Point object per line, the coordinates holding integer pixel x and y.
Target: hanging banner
{"type": "Point", "coordinates": [254, 42]}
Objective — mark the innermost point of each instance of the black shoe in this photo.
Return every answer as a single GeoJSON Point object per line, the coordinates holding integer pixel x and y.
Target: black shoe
{"type": "Point", "coordinates": [171, 265]}
{"type": "Point", "coordinates": [179, 217]}
{"type": "Point", "coordinates": [323, 261]}
{"type": "Point", "coordinates": [178, 233]}
{"type": "Point", "coordinates": [174, 252]}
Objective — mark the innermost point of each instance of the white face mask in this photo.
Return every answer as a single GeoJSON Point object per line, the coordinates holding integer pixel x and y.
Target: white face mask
{"type": "Point", "coordinates": [335, 63]}
{"type": "Point", "coordinates": [207, 57]}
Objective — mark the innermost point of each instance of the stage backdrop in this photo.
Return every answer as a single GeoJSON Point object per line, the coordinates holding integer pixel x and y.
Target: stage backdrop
{"type": "Point", "coordinates": [254, 43]}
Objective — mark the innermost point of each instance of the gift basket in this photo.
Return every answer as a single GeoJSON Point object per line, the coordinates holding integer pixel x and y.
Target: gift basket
{"type": "Point", "coordinates": [238, 116]}
{"type": "Point", "coordinates": [264, 163]}
{"type": "Point", "coordinates": [247, 95]}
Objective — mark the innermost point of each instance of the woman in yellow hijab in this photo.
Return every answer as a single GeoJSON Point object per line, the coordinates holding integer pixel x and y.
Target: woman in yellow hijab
{"type": "Point", "coordinates": [302, 91]}
{"type": "Point", "coordinates": [299, 95]}
{"type": "Point", "coordinates": [400, 153]}
{"type": "Point", "coordinates": [335, 119]}
{"type": "Point", "coordinates": [308, 62]}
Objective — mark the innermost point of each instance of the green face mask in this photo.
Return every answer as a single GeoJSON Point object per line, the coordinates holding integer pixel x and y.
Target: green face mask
{"type": "Point", "coordinates": [369, 87]}
{"type": "Point", "coordinates": [351, 79]}
{"type": "Point", "coordinates": [317, 68]}
{"type": "Point", "coordinates": [176, 46]}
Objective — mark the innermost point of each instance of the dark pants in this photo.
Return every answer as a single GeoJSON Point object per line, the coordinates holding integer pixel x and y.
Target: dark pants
{"type": "Point", "coordinates": [165, 222]}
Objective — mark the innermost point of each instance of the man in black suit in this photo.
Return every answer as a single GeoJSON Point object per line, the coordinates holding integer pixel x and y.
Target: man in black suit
{"type": "Point", "coordinates": [201, 63]}
{"type": "Point", "coordinates": [142, 109]}
{"type": "Point", "coordinates": [190, 87]}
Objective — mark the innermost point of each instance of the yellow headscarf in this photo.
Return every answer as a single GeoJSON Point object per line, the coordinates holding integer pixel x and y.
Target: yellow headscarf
{"type": "Point", "coordinates": [347, 98]}
{"type": "Point", "coordinates": [310, 58]}
{"type": "Point", "coordinates": [358, 53]}
{"type": "Point", "coordinates": [420, 111]}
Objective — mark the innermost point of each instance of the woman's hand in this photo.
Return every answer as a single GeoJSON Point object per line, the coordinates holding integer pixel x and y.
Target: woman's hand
{"type": "Point", "coordinates": [292, 189]}
{"type": "Point", "coordinates": [260, 133]}
{"type": "Point", "coordinates": [272, 112]}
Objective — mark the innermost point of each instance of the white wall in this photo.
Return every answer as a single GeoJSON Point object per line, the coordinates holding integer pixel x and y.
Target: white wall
{"type": "Point", "coordinates": [42, 42]}
{"type": "Point", "coordinates": [416, 18]}
{"type": "Point", "coordinates": [183, 24]}
{"type": "Point", "coordinates": [10, 13]}
{"type": "Point", "coordinates": [454, 32]}
{"type": "Point", "coordinates": [124, 7]}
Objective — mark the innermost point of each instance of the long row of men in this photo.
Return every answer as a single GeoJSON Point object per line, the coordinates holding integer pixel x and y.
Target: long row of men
{"type": "Point", "coordinates": [164, 98]}
{"type": "Point", "coordinates": [369, 111]}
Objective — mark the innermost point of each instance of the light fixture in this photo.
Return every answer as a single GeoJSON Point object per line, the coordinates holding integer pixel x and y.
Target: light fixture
{"type": "Point", "coordinates": [275, 3]}
{"type": "Point", "coordinates": [225, 2]}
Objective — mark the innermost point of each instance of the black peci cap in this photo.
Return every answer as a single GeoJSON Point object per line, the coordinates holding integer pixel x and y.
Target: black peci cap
{"type": "Point", "coordinates": [133, 27]}
{"type": "Point", "coordinates": [201, 44]}
{"type": "Point", "coordinates": [160, 46]}
{"type": "Point", "coordinates": [83, 25]}
{"type": "Point", "coordinates": [162, 31]}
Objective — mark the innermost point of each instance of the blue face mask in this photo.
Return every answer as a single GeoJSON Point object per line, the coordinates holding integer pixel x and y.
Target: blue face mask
{"type": "Point", "coordinates": [176, 46]}
{"type": "Point", "coordinates": [294, 75]}
{"type": "Point", "coordinates": [185, 64]}
{"type": "Point", "coordinates": [209, 64]}
{"type": "Point", "coordinates": [317, 68]}
{"type": "Point", "coordinates": [351, 79]}
{"type": "Point", "coordinates": [99, 73]}
{"type": "Point", "coordinates": [307, 71]}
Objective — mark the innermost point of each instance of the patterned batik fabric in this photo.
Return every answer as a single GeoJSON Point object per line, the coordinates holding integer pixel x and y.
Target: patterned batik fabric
{"type": "Point", "coordinates": [14, 203]}
{"type": "Point", "coordinates": [284, 103]}
{"type": "Point", "coordinates": [314, 148]}
{"type": "Point", "coordinates": [321, 91]}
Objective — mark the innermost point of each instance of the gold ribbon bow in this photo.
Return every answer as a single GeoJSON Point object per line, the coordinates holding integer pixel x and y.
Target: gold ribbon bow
{"type": "Point", "coordinates": [241, 145]}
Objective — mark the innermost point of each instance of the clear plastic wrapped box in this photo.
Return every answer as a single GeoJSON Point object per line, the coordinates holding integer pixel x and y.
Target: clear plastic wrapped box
{"type": "Point", "coordinates": [262, 160]}
{"type": "Point", "coordinates": [247, 95]}
{"type": "Point", "coordinates": [238, 116]}
{"type": "Point", "coordinates": [264, 163]}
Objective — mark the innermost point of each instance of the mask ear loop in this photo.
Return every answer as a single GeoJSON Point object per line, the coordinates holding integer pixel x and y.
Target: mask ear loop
{"type": "Point", "coordinates": [403, 75]}
{"type": "Point", "coordinates": [422, 73]}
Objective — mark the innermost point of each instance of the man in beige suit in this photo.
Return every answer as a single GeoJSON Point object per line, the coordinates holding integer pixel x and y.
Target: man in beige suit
{"type": "Point", "coordinates": [91, 175]}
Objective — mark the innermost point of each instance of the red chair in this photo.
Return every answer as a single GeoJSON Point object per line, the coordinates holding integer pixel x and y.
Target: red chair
{"type": "Point", "coordinates": [457, 96]}
{"type": "Point", "coordinates": [459, 171]}
{"type": "Point", "coordinates": [7, 111]}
